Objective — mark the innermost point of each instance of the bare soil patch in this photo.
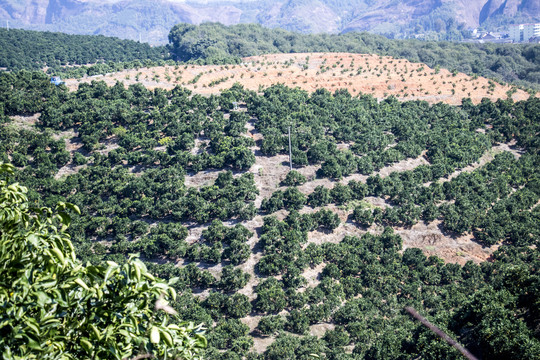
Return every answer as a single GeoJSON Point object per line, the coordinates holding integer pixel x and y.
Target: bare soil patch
{"type": "Point", "coordinates": [430, 239]}
{"type": "Point", "coordinates": [268, 172]}
{"type": "Point", "coordinates": [68, 169]}
{"type": "Point", "coordinates": [201, 178]}
{"type": "Point", "coordinates": [404, 165]}
{"type": "Point", "coordinates": [320, 329]}
{"type": "Point", "coordinates": [25, 122]}
{"type": "Point", "coordinates": [312, 275]}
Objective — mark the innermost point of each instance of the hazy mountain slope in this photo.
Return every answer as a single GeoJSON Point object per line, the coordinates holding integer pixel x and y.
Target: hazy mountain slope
{"type": "Point", "coordinates": [151, 20]}
{"type": "Point", "coordinates": [148, 20]}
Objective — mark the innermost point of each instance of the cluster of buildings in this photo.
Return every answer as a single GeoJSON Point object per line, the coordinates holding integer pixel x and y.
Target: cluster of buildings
{"type": "Point", "coordinates": [478, 36]}
{"type": "Point", "coordinates": [519, 33]}
{"type": "Point", "coordinates": [525, 33]}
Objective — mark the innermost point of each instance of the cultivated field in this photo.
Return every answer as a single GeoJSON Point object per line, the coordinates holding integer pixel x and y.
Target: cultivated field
{"type": "Point", "coordinates": [270, 171]}
{"type": "Point", "coordinates": [380, 76]}
{"type": "Point", "coordinates": [359, 74]}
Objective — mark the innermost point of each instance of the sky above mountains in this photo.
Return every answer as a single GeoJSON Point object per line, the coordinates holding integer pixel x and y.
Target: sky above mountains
{"type": "Point", "coordinates": [151, 20]}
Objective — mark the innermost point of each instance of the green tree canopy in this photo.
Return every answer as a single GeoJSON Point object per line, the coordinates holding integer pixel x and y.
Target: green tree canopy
{"type": "Point", "coordinates": [54, 307]}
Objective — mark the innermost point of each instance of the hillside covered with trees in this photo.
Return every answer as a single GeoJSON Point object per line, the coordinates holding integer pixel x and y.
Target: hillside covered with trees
{"type": "Point", "coordinates": [216, 43]}
{"type": "Point", "coordinates": [177, 177]}
{"type": "Point", "coordinates": [34, 50]}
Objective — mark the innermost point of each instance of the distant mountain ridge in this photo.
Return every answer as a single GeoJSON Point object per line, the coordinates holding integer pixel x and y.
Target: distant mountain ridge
{"type": "Point", "coordinates": [151, 20]}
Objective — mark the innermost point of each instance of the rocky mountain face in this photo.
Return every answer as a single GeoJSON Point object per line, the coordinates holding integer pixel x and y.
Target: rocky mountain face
{"type": "Point", "coordinates": [151, 20]}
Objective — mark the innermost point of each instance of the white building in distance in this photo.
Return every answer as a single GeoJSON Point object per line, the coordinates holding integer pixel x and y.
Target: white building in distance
{"type": "Point", "coordinates": [523, 32]}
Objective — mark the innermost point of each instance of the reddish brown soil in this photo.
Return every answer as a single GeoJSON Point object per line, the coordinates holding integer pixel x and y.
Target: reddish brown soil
{"type": "Point", "coordinates": [380, 76]}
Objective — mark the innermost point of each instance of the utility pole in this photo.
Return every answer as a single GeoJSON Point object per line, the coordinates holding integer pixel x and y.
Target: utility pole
{"type": "Point", "coordinates": [7, 25]}
{"type": "Point", "coordinates": [290, 148]}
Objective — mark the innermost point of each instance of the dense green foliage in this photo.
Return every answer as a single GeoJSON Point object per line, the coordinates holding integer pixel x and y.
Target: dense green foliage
{"type": "Point", "coordinates": [379, 134]}
{"type": "Point", "coordinates": [478, 304]}
{"type": "Point", "coordinates": [24, 49]}
{"type": "Point", "coordinates": [53, 307]}
{"type": "Point", "coordinates": [491, 202]}
{"type": "Point", "coordinates": [215, 43]}
{"type": "Point", "coordinates": [163, 128]}
{"type": "Point", "coordinates": [147, 168]}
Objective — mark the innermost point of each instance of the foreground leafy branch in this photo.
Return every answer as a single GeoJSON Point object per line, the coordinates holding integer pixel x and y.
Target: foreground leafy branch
{"type": "Point", "coordinates": [54, 307]}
